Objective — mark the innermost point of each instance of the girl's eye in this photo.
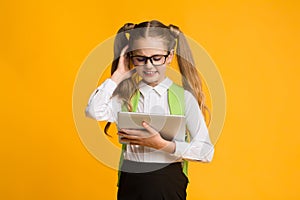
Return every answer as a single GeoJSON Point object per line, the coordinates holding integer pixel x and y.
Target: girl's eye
{"type": "Point", "coordinates": [157, 58]}
{"type": "Point", "coordinates": [140, 59]}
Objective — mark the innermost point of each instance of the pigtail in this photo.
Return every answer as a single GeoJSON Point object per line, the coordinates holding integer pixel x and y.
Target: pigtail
{"type": "Point", "coordinates": [120, 42]}
{"type": "Point", "coordinates": [190, 78]}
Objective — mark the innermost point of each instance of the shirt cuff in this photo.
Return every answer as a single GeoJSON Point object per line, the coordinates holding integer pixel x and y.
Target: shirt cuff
{"type": "Point", "coordinates": [198, 152]}
{"type": "Point", "coordinates": [180, 148]}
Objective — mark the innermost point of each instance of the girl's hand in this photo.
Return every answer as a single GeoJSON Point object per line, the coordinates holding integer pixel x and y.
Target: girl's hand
{"type": "Point", "coordinates": [148, 137]}
{"type": "Point", "coordinates": [123, 72]}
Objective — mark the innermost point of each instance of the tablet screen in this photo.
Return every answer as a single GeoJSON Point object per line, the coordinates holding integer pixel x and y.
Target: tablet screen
{"type": "Point", "coordinates": [167, 125]}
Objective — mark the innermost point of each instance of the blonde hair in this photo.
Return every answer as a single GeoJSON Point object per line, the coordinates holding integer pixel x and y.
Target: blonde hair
{"type": "Point", "coordinates": [168, 35]}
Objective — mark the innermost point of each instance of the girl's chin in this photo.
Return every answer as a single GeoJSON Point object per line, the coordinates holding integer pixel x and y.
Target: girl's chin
{"type": "Point", "coordinates": [151, 82]}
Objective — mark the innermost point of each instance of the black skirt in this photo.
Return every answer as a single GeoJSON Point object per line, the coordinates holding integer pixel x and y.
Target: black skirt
{"type": "Point", "coordinates": [152, 181]}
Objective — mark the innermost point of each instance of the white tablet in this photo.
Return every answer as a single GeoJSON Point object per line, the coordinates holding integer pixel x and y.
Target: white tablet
{"type": "Point", "coordinates": [167, 125]}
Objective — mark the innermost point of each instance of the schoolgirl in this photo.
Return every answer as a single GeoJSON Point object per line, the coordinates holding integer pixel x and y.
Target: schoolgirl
{"type": "Point", "coordinates": [152, 167]}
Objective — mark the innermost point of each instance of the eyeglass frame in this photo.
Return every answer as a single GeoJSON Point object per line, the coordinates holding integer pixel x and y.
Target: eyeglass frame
{"type": "Point", "coordinates": [150, 58]}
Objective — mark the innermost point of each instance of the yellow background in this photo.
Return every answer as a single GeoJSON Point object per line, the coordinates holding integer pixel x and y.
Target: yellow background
{"type": "Point", "coordinates": [255, 45]}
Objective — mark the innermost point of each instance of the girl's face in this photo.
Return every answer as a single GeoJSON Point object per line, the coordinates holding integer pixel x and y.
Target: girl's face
{"type": "Point", "coordinates": [150, 60]}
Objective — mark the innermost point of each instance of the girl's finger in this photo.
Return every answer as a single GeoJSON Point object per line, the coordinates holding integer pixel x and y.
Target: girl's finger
{"type": "Point", "coordinates": [132, 132]}
{"type": "Point", "coordinates": [130, 73]}
{"type": "Point", "coordinates": [149, 128]}
{"type": "Point", "coordinates": [133, 142]}
{"type": "Point", "coordinates": [124, 60]}
{"type": "Point", "coordinates": [124, 50]}
{"type": "Point", "coordinates": [129, 137]}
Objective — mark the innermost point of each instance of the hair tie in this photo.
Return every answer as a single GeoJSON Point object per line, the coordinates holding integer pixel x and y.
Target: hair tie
{"type": "Point", "coordinates": [128, 26]}
{"type": "Point", "coordinates": [174, 30]}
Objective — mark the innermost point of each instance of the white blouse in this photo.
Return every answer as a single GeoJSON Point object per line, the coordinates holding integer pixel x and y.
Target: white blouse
{"type": "Point", "coordinates": [155, 100]}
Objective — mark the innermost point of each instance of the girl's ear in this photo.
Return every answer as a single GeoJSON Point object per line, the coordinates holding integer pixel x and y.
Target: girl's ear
{"type": "Point", "coordinates": [170, 57]}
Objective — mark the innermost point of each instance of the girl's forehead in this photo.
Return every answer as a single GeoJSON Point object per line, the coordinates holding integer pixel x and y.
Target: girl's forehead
{"type": "Point", "coordinates": [148, 43]}
{"type": "Point", "coordinates": [149, 52]}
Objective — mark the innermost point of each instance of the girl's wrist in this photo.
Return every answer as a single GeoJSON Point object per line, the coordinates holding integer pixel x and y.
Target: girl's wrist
{"type": "Point", "coordinates": [167, 146]}
{"type": "Point", "coordinates": [117, 77]}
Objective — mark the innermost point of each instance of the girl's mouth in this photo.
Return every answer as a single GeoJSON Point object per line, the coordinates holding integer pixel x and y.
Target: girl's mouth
{"type": "Point", "coordinates": [149, 73]}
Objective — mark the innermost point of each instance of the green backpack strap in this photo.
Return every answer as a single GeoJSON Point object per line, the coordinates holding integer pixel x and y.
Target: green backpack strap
{"type": "Point", "coordinates": [177, 107]}
{"type": "Point", "coordinates": [176, 100]}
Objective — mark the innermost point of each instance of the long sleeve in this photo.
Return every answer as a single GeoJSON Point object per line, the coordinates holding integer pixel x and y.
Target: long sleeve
{"type": "Point", "coordinates": [100, 105]}
{"type": "Point", "coordinates": [200, 147]}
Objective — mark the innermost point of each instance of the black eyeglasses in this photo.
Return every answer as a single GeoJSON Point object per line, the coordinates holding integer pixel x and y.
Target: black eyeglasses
{"type": "Point", "coordinates": [156, 60]}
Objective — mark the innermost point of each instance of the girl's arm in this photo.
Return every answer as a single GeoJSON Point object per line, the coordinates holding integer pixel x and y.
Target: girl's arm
{"type": "Point", "coordinates": [200, 147]}
{"type": "Point", "coordinates": [101, 106]}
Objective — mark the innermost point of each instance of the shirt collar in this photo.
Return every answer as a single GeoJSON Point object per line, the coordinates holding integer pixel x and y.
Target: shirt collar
{"type": "Point", "coordinates": [161, 88]}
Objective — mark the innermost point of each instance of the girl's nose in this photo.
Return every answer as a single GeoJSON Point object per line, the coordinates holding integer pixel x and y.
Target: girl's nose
{"type": "Point", "coordinates": [148, 64]}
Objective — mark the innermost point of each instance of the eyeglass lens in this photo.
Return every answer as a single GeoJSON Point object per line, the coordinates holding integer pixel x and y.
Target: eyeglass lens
{"type": "Point", "coordinates": [155, 60]}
